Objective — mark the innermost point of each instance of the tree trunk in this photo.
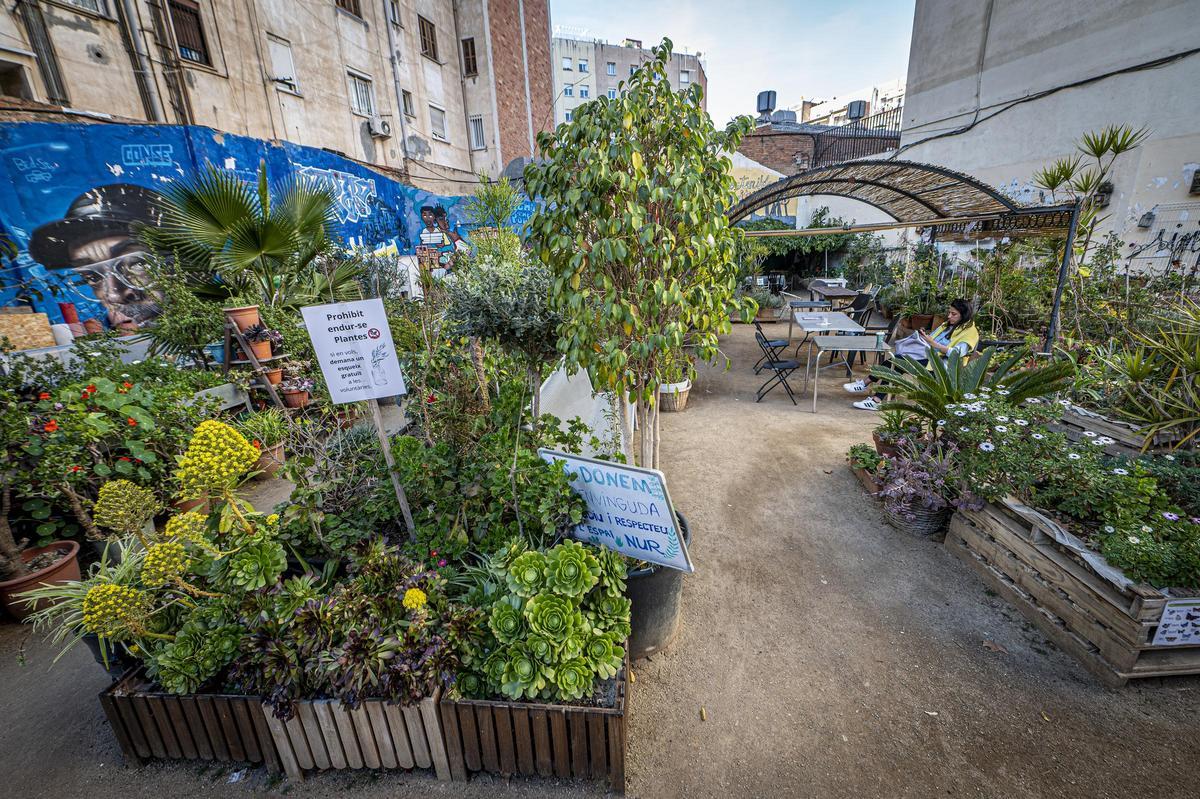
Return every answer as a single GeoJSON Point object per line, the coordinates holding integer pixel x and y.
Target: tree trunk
{"type": "Point", "coordinates": [480, 373]}
{"type": "Point", "coordinates": [85, 519]}
{"type": "Point", "coordinates": [535, 387]}
{"type": "Point", "coordinates": [11, 564]}
{"type": "Point", "coordinates": [625, 432]}
{"type": "Point", "coordinates": [657, 434]}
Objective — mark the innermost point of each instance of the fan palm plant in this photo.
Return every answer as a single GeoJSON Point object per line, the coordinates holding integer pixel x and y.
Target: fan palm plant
{"type": "Point", "coordinates": [273, 245]}
{"type": "Point", "coordinates": [926, 391]}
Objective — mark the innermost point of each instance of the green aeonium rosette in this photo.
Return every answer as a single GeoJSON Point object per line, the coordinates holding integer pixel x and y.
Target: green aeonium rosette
{"type": "Point", "coordinates": [526, 574]}
{"type": "Point", "coordinates": [574, 679]}
{"type": "Point", "coordinates": [571, 569]}
{"type": "Point", "coordinates": [553, 616]}
{"type": "Point", "coordinates": [524, 676]}
{"type": "Point", "coordinates": [608, 614]}
{"type": "Point", "coordinates": [612, 572]}
{"type": "Point", "coordinates": [506, 621]}
{"type": "Point", "coordinates": [542, 648]}
{"type": "Point", "coordinates": [605, 655]}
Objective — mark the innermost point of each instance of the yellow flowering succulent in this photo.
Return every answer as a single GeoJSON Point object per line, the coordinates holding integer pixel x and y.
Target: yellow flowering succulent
{"type": "Point", "coordinates": [216, 459]}
{"type": "Point", "coordinates": [164, 563]}
{"type": "Point", "coordinates": [187, 527]}
{"type": "Point", "coordinates": [115, 611]}
{"type": "Point", "coordinates": [415, 599]}
{"type": "Point", "coordinates": [124, 507]}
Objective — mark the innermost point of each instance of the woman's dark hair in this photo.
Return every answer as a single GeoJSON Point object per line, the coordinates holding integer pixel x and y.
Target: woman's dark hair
{"type": "Point", "coordinates": [965, 311]}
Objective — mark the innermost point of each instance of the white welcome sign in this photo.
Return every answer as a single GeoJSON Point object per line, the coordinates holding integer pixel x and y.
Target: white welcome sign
{"type": "Point", "coordinates": [354, 346]}
{"type": "Point", "coordinates": [628, 509]}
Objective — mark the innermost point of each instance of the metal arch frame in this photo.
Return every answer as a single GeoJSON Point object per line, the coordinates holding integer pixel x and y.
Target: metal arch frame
{"type": "Point", "coordinates": [789, 187]}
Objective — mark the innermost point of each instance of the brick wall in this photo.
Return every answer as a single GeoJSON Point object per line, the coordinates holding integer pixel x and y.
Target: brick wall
{"type": "Point", "coordinates": [779, 150]}
{"type": "Point", "coordinates": [541, 81]}
{"type": "Point", "coordinates": [509, 66]}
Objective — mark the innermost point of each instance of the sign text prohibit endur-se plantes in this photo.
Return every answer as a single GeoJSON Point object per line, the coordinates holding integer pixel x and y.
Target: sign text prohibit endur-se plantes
{"type": "Point", "coordinates": [628, 509]}
{"type": "Point", "coordinates": [353, 343]}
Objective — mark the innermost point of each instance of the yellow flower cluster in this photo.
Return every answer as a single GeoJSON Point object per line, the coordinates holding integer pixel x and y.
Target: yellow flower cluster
{"type": "Point", "coordinates": [273, 519]}
{"type": "Point", "coordinates": [187, 527]}
{"type": "Point", "coordinates": [123, 506]}
{"type": "Point", "coordinates": [115, 611]}
{"type": "Point", "coordinates": [163, 564]}
{"type": "Point", "coordinates": [217, 458]}
{"type": "Point", "coordinates": [414, 599]}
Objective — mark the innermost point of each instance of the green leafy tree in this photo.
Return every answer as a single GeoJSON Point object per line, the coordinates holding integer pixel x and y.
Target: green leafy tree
{"type": "Point", "coordinates": [633, 227]}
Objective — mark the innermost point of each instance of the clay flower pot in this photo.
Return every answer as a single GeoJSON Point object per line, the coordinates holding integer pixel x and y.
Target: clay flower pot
{"type": "Point", "coordinates": [65, 569]}
{"type": "Point", "coordinates": [244, 317]}
{"type": "Point", "coordinates": [270, 460]}
{"type": "Point", "coordinates": [918, 321]}
{"type": "Point", "coordinates": [261, 349]}
{"type": "Point", "coordinates": [274, 376]}
{"type": "Point", "coordinates": [295, 399]}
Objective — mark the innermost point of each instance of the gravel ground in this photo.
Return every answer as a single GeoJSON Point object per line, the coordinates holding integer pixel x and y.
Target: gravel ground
{"type": "Point", "coordinates": [830, 655]}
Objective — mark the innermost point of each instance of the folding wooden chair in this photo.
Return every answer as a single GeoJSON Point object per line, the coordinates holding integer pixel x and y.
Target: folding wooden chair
{"type": "Point", "coordinates": [779, 370]}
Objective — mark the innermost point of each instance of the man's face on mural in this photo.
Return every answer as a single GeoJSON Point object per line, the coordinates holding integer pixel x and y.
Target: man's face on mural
{"type": "Point", "coordinates": [115, 269]}
{"type": "Point", "coordinates": [428, 218]}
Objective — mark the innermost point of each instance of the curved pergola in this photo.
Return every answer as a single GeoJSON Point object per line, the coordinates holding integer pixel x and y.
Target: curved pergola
{"type": "Point", "coordinates": [915, 195]}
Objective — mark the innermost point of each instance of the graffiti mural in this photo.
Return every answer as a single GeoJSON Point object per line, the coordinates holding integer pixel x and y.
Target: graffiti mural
{"type": "Point", "coordinates": [76, 194]}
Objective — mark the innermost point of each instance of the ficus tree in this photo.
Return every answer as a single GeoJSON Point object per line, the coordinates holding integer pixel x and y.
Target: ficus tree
{"type": "Point", "coordinates": [632, 225]}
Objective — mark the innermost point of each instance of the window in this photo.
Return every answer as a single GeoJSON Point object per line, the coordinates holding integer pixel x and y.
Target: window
{"type": "Point", "coordinates": [283, 69]}
{"type": "Point", "coordinates": [95, 6]}
{"type": "Point", "coordinates": [612, 67]}
{"type": "Point", "coordinates": [685, 77]}
{"type": "Point", "coordinates": [568, 116]}
{"type": "Point", "coordinates": [567, 63]}
{"type": "Point", "coordinates": [362, 94]}
{"type": "Point", "coordinates": [437, 123]}
{"type": "Point", "coordinates": [349, 5]}
{"type": "Point", "coordinates": [584, 92]}
{"type": "Point", "coordinates": [583, 65]}
{"type": "Point", "coordinates": [632, 69]}
{"type": "Point", "coordinates": [406, 98]}
{"type": "Point", "coordinates": [428, 38]}
{"type": "Point", "coordinates": [185, 17]}
{"type": "Point", "coordinates": [478, 139]}
{"type": "Point", "coordinates": [612, 94]}
{"type": "Point", "coordinates": [470, 64]}
{"type": "Point", "coordinates": [394, 11]}
{"type": "Point", "coordinates": [569, 90]}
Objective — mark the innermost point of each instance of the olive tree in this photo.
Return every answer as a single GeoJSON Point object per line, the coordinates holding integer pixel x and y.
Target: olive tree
{"type": "Point", "coordinates": [632, 225]}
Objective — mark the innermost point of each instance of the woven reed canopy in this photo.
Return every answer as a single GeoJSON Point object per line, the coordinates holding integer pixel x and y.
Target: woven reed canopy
{"type": "Point", "coordinates": [951, 202]}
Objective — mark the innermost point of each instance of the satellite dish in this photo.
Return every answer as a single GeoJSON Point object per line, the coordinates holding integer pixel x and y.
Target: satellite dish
{"type": "Point", "coordinates": [766, 102]}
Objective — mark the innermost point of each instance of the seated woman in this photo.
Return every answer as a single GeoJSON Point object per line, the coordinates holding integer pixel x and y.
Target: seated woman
{"type": "Point", "coordinates": [957, 333]}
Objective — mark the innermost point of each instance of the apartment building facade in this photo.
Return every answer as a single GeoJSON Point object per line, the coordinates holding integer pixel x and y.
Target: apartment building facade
{"type": "Point", "coordinates": [588, 68]}
{"type": "Point", "coordinates": [442, 89]}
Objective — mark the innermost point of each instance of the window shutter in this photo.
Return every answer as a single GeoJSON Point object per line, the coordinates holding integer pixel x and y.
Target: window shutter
{"type": "Point", "coordinates": [185, 16]}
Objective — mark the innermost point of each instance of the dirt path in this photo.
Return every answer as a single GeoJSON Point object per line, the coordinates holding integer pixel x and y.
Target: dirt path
{"type": "Point", "coordinates": [833, 656]}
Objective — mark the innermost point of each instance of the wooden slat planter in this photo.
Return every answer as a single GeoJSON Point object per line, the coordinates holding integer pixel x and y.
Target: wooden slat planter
{"type": "Point", "coordinates": [1129, 440]}
{"type": "Point", "coordinates": [869, 484]}
{"type": "Point", "coordinates": [1109, 629]}
{"type": "Point", "coordinates": [529, 739]}
{"type": "Point", "coordinates": [324, 734]}
{"type": "Point", "coordinates": [149, 723]}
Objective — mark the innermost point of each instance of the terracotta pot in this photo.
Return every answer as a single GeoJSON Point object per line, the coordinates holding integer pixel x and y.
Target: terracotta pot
{"type": "Point", "coordinates": [200, 504]}
{"type": "Point", "coordinates": [937, 321]}
{"type": "Point", "coordinates": [92, 326]}
{"type": "Point", "coordinates": [270, 460]}
{"type": "Point", "coordinates": [274, 376]}
{"type": "Point", "coordinates": [244, 317]}
{"type": "Point", "coordinates": [64, 569]}
{"type": "Point", "coordinates": [918, 321]}
{"type": "Point", "coordinates": [261, 349]}
{"type": "Point", "coordinates": [883, 447]}
{"type": "Point", "coordinates": [869, 483]}
{"type": "Point", "coordinates": [295, 399]}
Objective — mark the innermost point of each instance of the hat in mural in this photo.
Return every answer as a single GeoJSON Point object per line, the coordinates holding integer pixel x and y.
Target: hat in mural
{"type": "Point", "coordinates": [113, 210]}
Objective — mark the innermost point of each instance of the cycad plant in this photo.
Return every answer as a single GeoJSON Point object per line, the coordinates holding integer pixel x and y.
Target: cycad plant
{"type": "Point", "coordinates": [1163, 391]}
{"type": "Point", "coordinates": [926, 391]}
{"type": "Point", "coordinates": [272, 245]}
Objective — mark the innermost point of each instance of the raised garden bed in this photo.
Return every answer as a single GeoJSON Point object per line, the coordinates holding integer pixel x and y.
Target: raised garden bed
{"type": "Point", "coordinates": [1079, 601]}
{"type": "Point", "coordinates": [150, 723]}
{"type": "Point", "coordinates": [526, 738]}
{"type": "Point", "coordinates": [869, 483]}
{"type": "Point", "coordinates": [1129, 439]}
{"type": "Point", "coordinates": [323, 734]}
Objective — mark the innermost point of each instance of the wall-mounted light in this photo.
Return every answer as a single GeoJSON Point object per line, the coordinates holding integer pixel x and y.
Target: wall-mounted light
{"type": "Point", "coordinates": [1147, 220]}
{"type": "Point", "coordinates": [1195, 189]}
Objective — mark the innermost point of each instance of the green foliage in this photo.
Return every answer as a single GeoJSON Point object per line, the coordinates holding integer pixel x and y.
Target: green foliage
{"type": "Point", "coordinates": [526, 574]}
{"type": "Point", "coordinates": [632, 225]}
{"type": "Point", "coordinates": [571, 569]}
{"type": "Point", "coordinates": [205, 643]}
{"type": "Point", "coordinates": [864, 456]}
{"type": "Point", "coordinates": [268, 427]}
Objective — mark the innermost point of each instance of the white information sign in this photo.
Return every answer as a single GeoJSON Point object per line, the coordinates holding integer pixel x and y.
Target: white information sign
{"type": "Point", "coordinates": [628, 509]}
{"type": "Point", "coordinates": [1179, 624]}
{"type": "Point", "coordinates": [354, 347]}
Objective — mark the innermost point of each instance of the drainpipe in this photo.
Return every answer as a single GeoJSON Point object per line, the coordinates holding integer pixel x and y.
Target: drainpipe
{"type": "Point", "coordinates": [391, 31]}
{"type": "Point", "coordinates": [131, 32]}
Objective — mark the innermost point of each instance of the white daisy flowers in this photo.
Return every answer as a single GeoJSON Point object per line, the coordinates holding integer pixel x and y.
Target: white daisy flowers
{"type": "Point", "coordinates": [1108, 528]}
{"type": "Point", "coordinates": [1133, 539]}
{"type": "Point", "coordinates": [941, 423]}
{"type": "Point", "coordinates": [1036, 436]}
{"type": "Point", "coordinates": [969, 396]}
{"type": "Point", "coordinates": [1065, 403]}
{"type": "Point", "coordinates": [1000, 428]}
{"type": "Point", "coordinates": [1120, 471]}
{"type": "Point", "coordinates": [1169, 457]}
{"type": "Point", "coordinates": [1022, 423]}
{"type": "Point", "coordinates": [960, 413]}
{"type": "Point", "coordinates": [1001, 418]}
{"type": "Point", "coordinates": [1002, 392]}
{"type": "Point", "coordinates": [1074, 456]}
{"type": "Point", "coordinates": [1089, 434]}
{"type": "Point", "coordinates": [987, 446]}
{"type": "Point", "coordinates": [1033, 400]}
{"type": "Point", "coordinates": [1106, 440]}
{"type": "Point", "coordinates": [1098, 442]}
{"type": "Point", "coordinates": [1147, 528]}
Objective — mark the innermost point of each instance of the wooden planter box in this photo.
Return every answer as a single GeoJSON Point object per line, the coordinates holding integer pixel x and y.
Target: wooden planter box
{"type": "Point", "coordinates": [149, 723]}
{"type": "Point", "coordinates": [323, 734]}
{"type": "Point", "coordinates": [867, 479]}
{"type": "Point", "coordinates": [1044, 572]}
{"type": "Point", "coordinates": [564, 741]}
{"type": "Point", "coordinates": [1129, 438]}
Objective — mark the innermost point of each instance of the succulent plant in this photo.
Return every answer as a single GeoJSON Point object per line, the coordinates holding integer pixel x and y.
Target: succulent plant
{"type": "Point", "coordinates": [553, 616]}
{"type": "Point", "coordinates": [507, 621]}
{"type": "Point", "coordinates": [604, 655]}
{"type": "Point", "coordinates": [571, 570]}
{"type": "Point", "coordinates": [526, 574]}
{"type": "Point", "coordinates": [124, 507]}
{"type": "Point", "coordinates": [609, 614]}
{"type": "Point", "coordinates": [165, 563]}
{"type": "Point", "coordinates": [542, 648]}
{"type": "Point", "coordinates": [574, 678]}
{"type": "Point", "coordinates": [524, 676]}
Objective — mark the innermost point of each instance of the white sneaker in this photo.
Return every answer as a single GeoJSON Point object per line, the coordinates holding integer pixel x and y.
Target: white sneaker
{"type": "Point", "coordinates": [857, 387]}
{"type": "Point", "coordinates": [869, 404]}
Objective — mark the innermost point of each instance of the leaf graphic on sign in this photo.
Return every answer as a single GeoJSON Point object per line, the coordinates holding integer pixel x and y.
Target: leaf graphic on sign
{"type": "Point", "coordinates": [620, 543]}
{"type": "Point", "coordinates": [672, 545]}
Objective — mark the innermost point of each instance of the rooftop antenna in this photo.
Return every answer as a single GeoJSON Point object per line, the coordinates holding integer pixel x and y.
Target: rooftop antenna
{"type": "Point", "coordinates": [766, 105]}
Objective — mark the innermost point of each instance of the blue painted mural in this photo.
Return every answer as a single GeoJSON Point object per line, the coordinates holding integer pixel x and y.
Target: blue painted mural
{"type": "Point", "coordinates": [74, 194]}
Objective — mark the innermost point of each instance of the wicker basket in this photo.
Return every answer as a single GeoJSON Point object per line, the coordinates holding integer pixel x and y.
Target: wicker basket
{"type": "Point", "coordinates": [673, 396]}
{"type": "Point", "coordinates": [927, 522]}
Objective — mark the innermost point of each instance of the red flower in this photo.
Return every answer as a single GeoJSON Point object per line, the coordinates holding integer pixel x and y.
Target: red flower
{"type": "Point", "coordinates": [92, 388]}
{"type": "Point", "coordinates": [127, 384]}
{"type": "Point", "coordinates": [85, 395]}
{"type": "Point", "coordinates": [122, 458]}
{"type": "Point", "coordinates": [131, 422]}
{"type": "Point", "coordinates": [257, 444]}
{"type": "Point", "coordinates": [76, 468]}
{"type": "Point", "coordinates": [51, 426]}
{"type": "Point", "coordinates": [44, 395]}
{"type": "Point", "coordinates": [432, 398]}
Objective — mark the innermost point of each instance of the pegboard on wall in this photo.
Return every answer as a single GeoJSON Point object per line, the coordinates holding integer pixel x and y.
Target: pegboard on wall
{"type": "Point", "coordinates": [1171, 242]}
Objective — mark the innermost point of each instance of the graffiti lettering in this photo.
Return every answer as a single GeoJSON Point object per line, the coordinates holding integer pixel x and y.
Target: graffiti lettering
{"type": "Point", "coordinates": [352, 195]}
{"type": "Point", "coordinates": [147, 155]}
{"type": "Point", "coordinates": [1175, 248]}
{"type": "Point", "coordinates": [35, 170]}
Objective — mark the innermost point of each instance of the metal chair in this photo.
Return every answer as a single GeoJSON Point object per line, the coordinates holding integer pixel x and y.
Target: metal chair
{"type": "Point", "coordinates": [776, 345]}
{"type": "Point", "coordinates": [779, 370]}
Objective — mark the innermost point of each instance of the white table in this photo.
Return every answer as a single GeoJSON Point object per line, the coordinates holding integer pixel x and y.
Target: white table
{"type": "Point", "coordinates": [839, 344]}
{"type": "Point", "coordinates": [817, 324]}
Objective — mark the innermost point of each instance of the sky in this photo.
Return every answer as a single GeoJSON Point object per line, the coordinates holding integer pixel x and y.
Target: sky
{"type": "Point", "coordinates": [799, 48]}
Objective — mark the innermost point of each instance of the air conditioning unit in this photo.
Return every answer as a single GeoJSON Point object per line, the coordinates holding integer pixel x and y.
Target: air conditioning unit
{"type": "Point", "coordinates": [379, 127]}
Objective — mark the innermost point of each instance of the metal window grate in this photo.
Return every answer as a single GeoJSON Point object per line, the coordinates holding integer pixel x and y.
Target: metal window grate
{"type": "Point", "coordinates": [189, 32]}
{"type": "Point", "coordinates": [96, 6]}
{"type": "Point", "coordinates": [478, 138]}
{"type": "Point", "coordinates": [362, 95]}
{"type": "Point", "coordinates": [349, 5]}
{"type": "Point", "coordinates": [428, 38]}
{"type": "Point", "coordinates": [470, 63]}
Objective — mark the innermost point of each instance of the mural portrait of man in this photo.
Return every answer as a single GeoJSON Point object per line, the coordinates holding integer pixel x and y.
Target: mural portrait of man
{"type": "Point", "coordinates": [96, 241]}
{"type": "Point", "coordinates": [438, 237]}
